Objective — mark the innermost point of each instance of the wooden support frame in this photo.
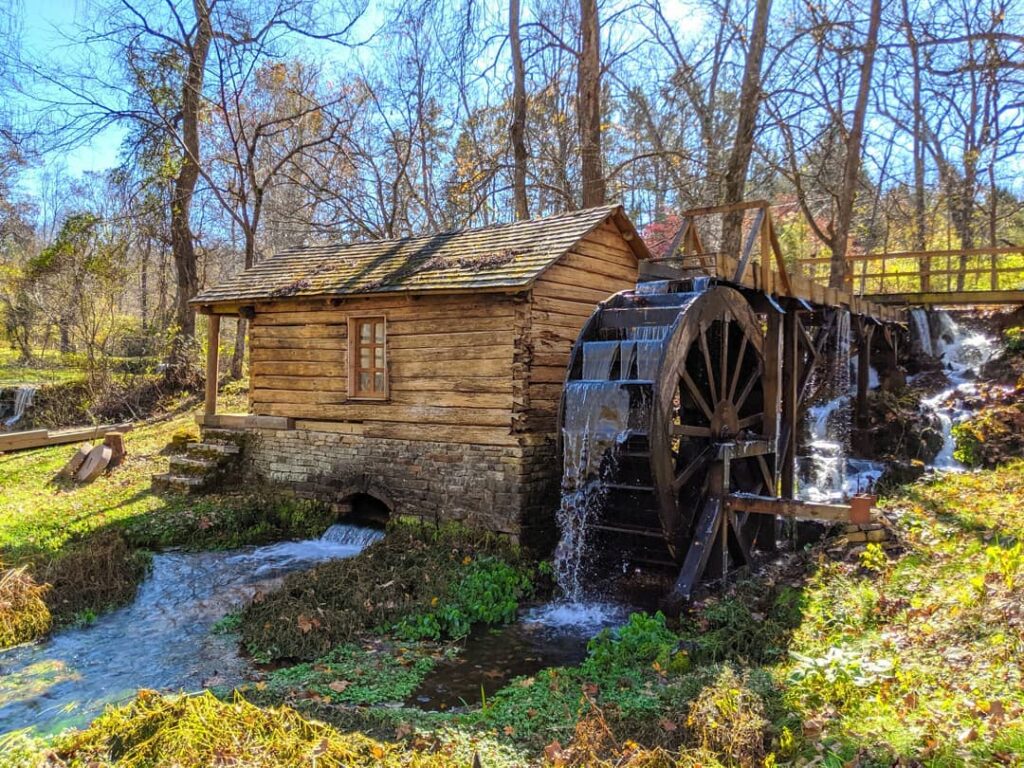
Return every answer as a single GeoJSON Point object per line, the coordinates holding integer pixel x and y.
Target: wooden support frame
{"type": "Point", "coordinates": [790, 403]}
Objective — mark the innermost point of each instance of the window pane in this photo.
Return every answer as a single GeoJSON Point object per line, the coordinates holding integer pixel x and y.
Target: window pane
{"type": "Point", "coordinates": [364, 381]}
{"type": "Point", "coordinates": [379, 332]}
{"type": "Point", "coordinates": [378, 357]}
{"type": "Point", "coordinates": [365, 328]}
{"type": "Point", "coordinates": [378, 382]}
{"type": "Point", "coordinates": [364, 357]}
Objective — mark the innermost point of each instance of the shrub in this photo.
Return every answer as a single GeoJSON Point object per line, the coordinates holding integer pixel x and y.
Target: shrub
{"type": "Point", "coordinates": [23, 612]}
{"type": "Point", "coordinates": [1014, 339]}
{"type": "Point", "coordinates": [728, 719]}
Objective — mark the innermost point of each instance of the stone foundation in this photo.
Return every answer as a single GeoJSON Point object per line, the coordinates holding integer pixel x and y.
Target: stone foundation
{"type": "Point", "coordinates": [511, 490]}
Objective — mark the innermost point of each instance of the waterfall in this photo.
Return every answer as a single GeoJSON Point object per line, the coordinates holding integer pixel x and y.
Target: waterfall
{"type": "Point", "coordinates": [23, 398]}
{"type": "Point", "coordinates": [598, 358]}
{"type": "Point", "coordinates": [596, 422]}
{"type": "Point", "coordinates": [647, 332]}
{"type": "Point", "coordinates": [962, 354]}
{"type": "Point", "coordinates": [922, 332]}
{"type": "Point", "coordinates": [652, 287]}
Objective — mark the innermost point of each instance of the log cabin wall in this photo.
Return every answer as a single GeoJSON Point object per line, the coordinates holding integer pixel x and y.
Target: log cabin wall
{"type": "Point", "coordinates": [449, 360]}
{"type": "Point", "coordinates": [563, 297]}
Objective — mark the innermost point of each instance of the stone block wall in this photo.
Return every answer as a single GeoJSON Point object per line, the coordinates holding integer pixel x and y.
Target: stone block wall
{"type": "Point", "coordinates": [506, 489]}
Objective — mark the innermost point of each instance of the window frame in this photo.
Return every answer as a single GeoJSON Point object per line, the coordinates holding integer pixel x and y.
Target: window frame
{"type": "Point", "coordinates": [354, 347]}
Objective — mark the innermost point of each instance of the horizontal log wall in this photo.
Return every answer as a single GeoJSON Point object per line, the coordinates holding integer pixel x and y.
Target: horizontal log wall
{"type": "Point", "coordinates": [450, 363]}
{"type": "Point", "coordinates": [563, 298]}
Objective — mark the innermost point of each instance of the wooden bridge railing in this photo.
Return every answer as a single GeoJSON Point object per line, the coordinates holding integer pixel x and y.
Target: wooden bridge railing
{"type": "Point", "coordinates": [760, 264]}
{"type": "Point", "coordinates": [990, 270]}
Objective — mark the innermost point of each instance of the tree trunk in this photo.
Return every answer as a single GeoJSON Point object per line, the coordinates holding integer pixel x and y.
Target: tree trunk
{"type": "Point", "coordinates": [517, 128]}
{"type": "Point", "coordinates": [249, 231]}
{"type": "Point", "coordinates": [839, 270]}
{"type": "Point", "coordinates": [920, 212]}
{"type": "Point", "coordinates": [182, 245]}
{"type": "Point", "coordinates": [750, 101]}
{"type": "Point", "coordinates": [588, 88]}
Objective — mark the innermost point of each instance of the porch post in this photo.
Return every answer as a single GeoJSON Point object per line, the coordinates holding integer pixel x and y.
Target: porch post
{"type": "Point", "coordinates": [212, 344]}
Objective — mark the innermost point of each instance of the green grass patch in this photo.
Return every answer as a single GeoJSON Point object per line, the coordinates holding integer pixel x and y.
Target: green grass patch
{"type": "Point", "coordinates": [89, 543]}
{"type": "Point", "coordinates": [418, 582]}
{"type": "Point", "coordinates": [354, 674]}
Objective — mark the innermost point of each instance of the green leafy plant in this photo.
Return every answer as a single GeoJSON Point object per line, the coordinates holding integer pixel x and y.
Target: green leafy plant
{"type": "Point", "coordinates": [1007, 561]}
{"type": "Point", "coordinates": [488, 591]}
{"type": "Point", "coordinates": [1013, 338]}
{"type": "Point", "coordinates": [837, 677]}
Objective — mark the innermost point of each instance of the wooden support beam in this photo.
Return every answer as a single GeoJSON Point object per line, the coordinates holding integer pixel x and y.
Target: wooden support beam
{"type": "Point", "coordinates": [792, 508]}
{"type": "Point", "coordinates": [790, 402]}
{"type": "Point", "coordinates": [212, 366]}
{"type": "Point", "coordinates": [865, 332]}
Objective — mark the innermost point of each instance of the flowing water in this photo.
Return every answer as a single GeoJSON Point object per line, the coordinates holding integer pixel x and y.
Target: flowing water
{"type": "Point", "coordinates": [23, 398]}
{"type": "Point", "coordinates": [162, 640]}
{"type": "Point", "coordinates": [596, 422]}
{"type": "Point", "coordinates": [962, 354]}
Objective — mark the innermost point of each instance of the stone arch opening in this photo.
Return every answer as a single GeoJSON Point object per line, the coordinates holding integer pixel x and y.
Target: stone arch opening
{"type": "Point", "coordinates": [365, 509]}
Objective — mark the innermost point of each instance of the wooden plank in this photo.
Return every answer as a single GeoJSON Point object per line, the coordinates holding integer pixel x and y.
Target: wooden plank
{"type": "Point", "coordinates": [392, 412]}
{"type": "Point", "coordinates": [437, 398]}
{"type": "Point", "coordinates": [952, 298]}
{"type": "Point", "coordinates": [792, 508]}
{"type": "Point", "coordinates": [42, 438]}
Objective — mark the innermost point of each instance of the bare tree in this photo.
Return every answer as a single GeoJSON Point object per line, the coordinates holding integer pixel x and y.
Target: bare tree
{"type": "Point", "coordinates": [746, 121]}
{"type": "Point", "coordinates": [517, 126]}
{"type": "Point", "coordinates": [588, 84]}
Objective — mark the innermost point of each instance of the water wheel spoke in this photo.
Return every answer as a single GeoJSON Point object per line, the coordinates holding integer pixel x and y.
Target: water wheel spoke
{"type": "Point", "coordinates": [691, 469]}
{"type": "Point", "coordinates": [712, 386]}
{"type": "Point", "coordinates": [738, 368]}
{"type": "Point", "coordinates": [748, 421]}
{"type": "Point", "coordinates": [696, 394]}
{"type": "Point", "coordinates": [766, 474]}
{"type": "Point", "coordinates": [723, 361]}
{"type": "Point", "coordinates": [748, 388]}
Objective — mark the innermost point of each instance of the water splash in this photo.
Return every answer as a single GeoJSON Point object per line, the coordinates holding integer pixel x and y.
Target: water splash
{"type": "Point", "coordinates": [162, 640]}
{"type": "Point", "coordinates": [576, 617]}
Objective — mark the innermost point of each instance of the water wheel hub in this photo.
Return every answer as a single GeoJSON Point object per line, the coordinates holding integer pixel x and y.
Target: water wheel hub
{"type": "Point", "coordinates": [725, 421]}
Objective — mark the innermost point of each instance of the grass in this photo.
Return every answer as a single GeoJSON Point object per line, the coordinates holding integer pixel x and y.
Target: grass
{"type": "Point", "coordinates": [89, 543]}
{"type": "Point", "coordinates": [48, 367]}
{"type": "Point", "coordinates": [907, 655]}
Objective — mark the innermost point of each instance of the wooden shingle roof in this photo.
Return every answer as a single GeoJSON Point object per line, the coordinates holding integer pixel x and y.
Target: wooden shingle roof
{"type": "Point", "coordinates": [506, 256]}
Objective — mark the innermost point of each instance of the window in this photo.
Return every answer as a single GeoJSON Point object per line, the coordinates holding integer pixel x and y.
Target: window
{"type": "Point", "coordinates": [368, 367]}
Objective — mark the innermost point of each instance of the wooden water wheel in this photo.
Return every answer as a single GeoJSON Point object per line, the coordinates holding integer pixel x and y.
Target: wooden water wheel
{"type": "Point", "coordinates": [692, 358]}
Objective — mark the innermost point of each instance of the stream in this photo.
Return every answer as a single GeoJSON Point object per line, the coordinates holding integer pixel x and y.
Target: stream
{"type": "Point", "coordinates": [162, 640]}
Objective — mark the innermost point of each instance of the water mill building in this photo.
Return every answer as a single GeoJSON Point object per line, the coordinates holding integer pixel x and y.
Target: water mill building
{"type": "Point", "coordinates": [422, 373]}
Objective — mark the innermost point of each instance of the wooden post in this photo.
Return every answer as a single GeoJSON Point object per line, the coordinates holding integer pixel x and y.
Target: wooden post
{"type": "Point", "coordinates": [212, 344]}
{"type": "Point", "coordinates": [863, 370]}
{"type": "Point", "coordinates": [766, 255]}
{"type": "Point", "coordinates": [790, 402]}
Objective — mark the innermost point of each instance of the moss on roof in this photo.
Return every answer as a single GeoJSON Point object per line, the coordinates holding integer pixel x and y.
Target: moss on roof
{"type": "Point", "coordinates": [505, 256]}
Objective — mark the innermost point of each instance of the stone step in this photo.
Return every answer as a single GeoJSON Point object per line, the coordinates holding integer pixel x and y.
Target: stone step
{"type": "Point", "coordinates": [225, 436]}
{"type": "Point", "coordinates": [213, 450]}
{"type": "Point", "coordinates": [193, 467]}
{"type": "Point", "coordinates": [184, 483]}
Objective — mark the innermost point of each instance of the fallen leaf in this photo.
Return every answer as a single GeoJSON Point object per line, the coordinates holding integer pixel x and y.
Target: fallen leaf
{"type": "Point", "coordinates": [339, 686]}
{"type": "Point", "coordinates": [509, 730]}
{"type": "Point", "coordinates": [667, 725]}
{"type": "Point", "coordinates": [403, 730]}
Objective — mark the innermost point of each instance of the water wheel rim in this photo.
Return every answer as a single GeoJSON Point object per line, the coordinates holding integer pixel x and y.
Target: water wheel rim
{"type": "Point", "coordinates": [718, 304]}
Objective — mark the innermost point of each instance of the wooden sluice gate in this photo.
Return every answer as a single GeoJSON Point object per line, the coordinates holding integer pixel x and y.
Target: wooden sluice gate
{"type": "Point", "coordinates": [706, 368]}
